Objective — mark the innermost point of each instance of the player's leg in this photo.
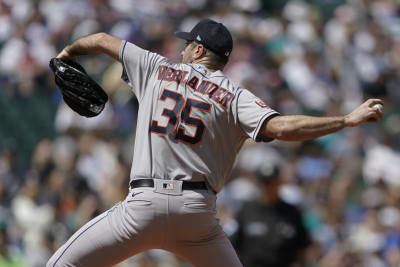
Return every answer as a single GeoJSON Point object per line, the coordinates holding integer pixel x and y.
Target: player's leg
{"type": "Point", "coordinates": [89, 244]}
{"type": "Point", "coordinates": [214, 253]}
{"type": "Point", "coordinates": [196, 234]}
{"type": "Point", "coordinates": [111, 237]}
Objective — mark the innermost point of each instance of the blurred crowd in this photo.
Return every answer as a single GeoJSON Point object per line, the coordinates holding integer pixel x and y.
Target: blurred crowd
{"type": "Point", "coordinates": [59, 170]}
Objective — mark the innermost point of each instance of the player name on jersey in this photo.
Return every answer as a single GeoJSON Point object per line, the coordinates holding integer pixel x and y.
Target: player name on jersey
{"type": "Point", "coordinates": [218, 94]}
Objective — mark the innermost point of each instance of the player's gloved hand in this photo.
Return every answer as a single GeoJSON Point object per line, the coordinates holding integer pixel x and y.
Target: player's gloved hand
{"type": "Point", "coordinates": [364, 113]}
{"type": "Point", "coordinates": [64, 54]}
{"type": "Point", "coordinates": [81, 93]}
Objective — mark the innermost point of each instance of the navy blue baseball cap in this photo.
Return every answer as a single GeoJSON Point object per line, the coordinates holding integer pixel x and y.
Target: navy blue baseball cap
{"type": "Point", "coordinates": [213, 35]}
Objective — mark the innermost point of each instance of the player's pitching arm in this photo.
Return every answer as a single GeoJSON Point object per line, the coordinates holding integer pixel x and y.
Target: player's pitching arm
{"type": "Point", "coordinates": [301, 128]}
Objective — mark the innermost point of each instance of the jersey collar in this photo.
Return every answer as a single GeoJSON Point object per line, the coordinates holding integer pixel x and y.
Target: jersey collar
{"type": "Point", "coordinates": [206, 72]}
{"type": "Point", "coordinates": [200, 68]}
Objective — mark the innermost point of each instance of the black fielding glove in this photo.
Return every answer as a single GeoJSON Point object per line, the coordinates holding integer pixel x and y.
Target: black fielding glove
{"type": "Point", "coordinates": [81, 93]}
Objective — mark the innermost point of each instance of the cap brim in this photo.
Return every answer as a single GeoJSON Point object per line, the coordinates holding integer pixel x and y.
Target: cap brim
{"type": "Point", "coordinates": [184, 35]}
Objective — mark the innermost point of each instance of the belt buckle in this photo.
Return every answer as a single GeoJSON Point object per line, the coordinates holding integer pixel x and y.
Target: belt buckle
{"type": "Point", "coordinates": [168, 187]}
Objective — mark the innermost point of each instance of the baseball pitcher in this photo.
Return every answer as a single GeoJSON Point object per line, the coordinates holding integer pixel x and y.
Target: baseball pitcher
{"type": "Point", "coordinates": [192, 122]}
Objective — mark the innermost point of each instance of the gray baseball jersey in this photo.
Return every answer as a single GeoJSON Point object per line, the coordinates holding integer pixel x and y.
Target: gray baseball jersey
{"type": "Point", "coordinates": [191, 122]}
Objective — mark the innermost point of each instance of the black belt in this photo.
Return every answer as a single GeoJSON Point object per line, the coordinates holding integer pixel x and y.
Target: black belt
{"type": "Point", "coordinates": [186, 185]}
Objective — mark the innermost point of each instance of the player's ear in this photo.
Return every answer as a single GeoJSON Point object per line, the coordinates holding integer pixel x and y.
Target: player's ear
{"type": "Point", "coordinates": [198, 51]}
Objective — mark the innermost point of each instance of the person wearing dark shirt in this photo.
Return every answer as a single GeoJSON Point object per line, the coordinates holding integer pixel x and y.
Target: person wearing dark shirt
{"type": "Point", "coordinates": [270, 231]}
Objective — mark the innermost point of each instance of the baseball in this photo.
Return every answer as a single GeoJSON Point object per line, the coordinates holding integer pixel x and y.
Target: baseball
{"type": "Point", "coordinates": [378, 107]}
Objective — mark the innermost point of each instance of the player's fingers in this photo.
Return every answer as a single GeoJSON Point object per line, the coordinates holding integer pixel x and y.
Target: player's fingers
{"type": "Point", "coordinates": [65, 55]}
{"type": "Point", "coordinates": [373, 101]}
{"type": "Point", "coordinates": [62, 54]}
{"type": "Point", "coordinates": [373, 117]}
{"type": "Point", "coordinates": [379, 112]}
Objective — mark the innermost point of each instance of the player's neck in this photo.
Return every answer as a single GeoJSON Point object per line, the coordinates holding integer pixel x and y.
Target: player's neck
{"type": "Point", "coordinates": [206, 63]}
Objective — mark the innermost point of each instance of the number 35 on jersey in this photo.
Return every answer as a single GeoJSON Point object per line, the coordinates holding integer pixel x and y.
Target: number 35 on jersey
{"type": "Point", "coordinates": [182, 108]}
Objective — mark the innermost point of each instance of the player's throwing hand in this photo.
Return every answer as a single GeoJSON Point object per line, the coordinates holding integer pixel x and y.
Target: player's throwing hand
{"type": "Point", "coordinates": [366, 112]}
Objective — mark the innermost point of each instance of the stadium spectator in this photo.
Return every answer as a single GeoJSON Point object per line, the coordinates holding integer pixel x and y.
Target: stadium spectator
{"type": "Point", "coordinates": [270, 231]}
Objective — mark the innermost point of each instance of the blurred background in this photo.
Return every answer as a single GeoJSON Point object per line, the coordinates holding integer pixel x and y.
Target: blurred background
{"type": "Point", "coordinates": [317, 57]}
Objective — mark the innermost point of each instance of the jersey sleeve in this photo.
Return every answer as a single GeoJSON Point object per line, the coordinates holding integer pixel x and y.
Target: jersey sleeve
{"type": "Point", "coordinates": [251, 112]}
{"type": "Point", "coordinates": [139, 67]}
